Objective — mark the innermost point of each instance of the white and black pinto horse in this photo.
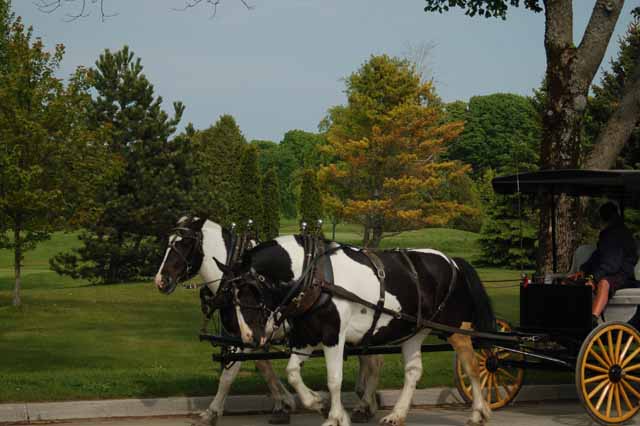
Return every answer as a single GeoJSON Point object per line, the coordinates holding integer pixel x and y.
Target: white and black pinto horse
{"type": "Point", "coordinates": [262, 283]}
{"type": "Point", "coordinates": [192, 247]}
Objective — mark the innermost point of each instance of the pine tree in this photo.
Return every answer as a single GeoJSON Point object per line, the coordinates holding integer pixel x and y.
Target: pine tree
{"type": "Point", "coordinates": [310, 205]}
{"type": "Point", "coordinates": [141, 206]}
{"type": "Point", "coordinates": [248, 202]}
{"type": "Point", "coordinates": [271, 205]}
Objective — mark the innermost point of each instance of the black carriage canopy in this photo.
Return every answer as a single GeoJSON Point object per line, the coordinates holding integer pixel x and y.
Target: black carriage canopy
{"type": "Point", "coordinates": [619, 185]}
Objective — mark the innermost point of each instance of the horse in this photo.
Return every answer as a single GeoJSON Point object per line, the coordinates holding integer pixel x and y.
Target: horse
{"type": "Point", "coordinates": [193, 245]}
{"type": "Point", "coordinates": [369, 304]}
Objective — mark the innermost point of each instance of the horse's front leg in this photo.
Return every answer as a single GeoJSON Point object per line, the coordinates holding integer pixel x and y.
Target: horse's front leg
{"type": "Point", "coordinates": [412, 357]}
{"type": "Point", "coordinates": [368, 376]}
{"type": "Point", "coordinates": [210, 416]}
{"type": "Point", "coordinates": [333, 356]}
{"type": "Point", "coordinates": [310, 399]}
{"type": "Point", "coordinates": [283, 402]}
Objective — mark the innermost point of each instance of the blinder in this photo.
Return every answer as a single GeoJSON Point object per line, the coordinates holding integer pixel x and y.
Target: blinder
{"type": "Point", "coordinates": [187, 234]}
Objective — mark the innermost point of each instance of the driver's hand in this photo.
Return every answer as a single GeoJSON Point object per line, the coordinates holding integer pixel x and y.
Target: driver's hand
{"type": "Point", "coordinates": [576, 275]}
{"type": "Point", "coordinates": [591, 284]}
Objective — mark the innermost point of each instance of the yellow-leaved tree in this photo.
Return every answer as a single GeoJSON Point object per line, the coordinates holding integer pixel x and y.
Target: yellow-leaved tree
{"type": "Point", "coordinates": [386, 145]}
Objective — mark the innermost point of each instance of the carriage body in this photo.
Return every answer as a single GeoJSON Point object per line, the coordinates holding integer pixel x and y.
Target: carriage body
{"type": "Point", "coordinates": [555, 319]}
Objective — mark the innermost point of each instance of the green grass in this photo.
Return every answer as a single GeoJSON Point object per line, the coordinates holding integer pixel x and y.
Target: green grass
{"type": "Point", "coordinates": [71, 340]}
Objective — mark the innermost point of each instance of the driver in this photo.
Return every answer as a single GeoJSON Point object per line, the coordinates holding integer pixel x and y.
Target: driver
{"type": "Point", "coordinates": [611, 266]}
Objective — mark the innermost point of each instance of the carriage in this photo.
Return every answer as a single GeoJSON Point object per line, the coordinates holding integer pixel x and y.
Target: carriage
{"type": "Point", "coordinates": [555, 330]}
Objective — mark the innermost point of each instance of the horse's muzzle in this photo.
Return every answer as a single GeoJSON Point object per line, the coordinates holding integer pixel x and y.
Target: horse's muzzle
{"type": "Point", "coordinates": [165, 284]}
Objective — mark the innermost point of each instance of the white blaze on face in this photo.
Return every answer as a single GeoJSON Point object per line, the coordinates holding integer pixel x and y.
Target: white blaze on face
{"type": "Point", "coordinates": [158, 278]}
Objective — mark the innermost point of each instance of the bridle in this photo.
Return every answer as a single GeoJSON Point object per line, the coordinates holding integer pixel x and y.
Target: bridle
{"type": "Point", "coordinates": [187, 234]}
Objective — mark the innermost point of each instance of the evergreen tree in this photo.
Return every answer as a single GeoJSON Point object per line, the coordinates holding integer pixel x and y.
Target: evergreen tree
{"type": "Point", "coordinates": [141, 206]}
{"type": "Point", "coordinates": [271, 205]}
{"type": "Point", "coordinates": [249, 197]}
{"type": "Point", "coordinates": [310, 205]}
{"type": "Point", "coordinates": [218, 154]}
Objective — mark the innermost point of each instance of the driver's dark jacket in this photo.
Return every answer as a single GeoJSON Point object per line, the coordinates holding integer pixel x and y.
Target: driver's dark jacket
{"type": "Point", "coordinates": [616, 253]}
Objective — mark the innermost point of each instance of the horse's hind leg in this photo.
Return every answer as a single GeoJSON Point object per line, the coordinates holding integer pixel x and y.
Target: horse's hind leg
{"type": "Point", "coordinates": [210, 416]}
{"type": "Point", "coordinates": [464, 349]}
{"type": "Point", "coordinates": [412, 356]}
{"type": "Point", "coordinates": [369, 374]}
{"type": "Point", "coordinates": [283, 402]}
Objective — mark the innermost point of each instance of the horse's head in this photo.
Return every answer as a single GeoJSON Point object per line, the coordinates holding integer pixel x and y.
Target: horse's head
{"type": "Point", "coordinates": [184, 255]}
{"type": "Point", "coordinates": [256, 287]}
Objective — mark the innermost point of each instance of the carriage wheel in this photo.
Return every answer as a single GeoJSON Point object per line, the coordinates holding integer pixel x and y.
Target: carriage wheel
{"type": "Point", "coordinates": [500, 383]}
{"type": "Point", "coordinates": [608, 373]}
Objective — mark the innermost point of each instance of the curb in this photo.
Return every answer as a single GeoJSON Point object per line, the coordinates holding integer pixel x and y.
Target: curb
{"type": "Point", "coordinates": [236, 404]}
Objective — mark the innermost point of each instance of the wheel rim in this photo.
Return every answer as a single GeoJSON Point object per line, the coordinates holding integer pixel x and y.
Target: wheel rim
{"type": "Point", "coordinates": [500, 383]}
{"type": "Point", "coordinates": [610, 373]}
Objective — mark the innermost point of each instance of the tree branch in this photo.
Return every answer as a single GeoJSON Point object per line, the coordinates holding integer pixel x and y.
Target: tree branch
{"type": "Point", "coordinates": [558, 24]}
{"type": "Point", "coordinates": [618, 129]}
{"type": "Point", "coordinates": [597, 36]}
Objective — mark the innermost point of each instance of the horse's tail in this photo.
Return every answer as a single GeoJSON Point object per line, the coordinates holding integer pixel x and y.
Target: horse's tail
{"type": "Point", "coordinates": [483, 317]}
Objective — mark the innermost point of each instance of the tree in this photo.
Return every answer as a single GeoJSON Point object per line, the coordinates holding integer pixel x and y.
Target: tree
{"type": "Point", "coordinates": [270, 205]}
{"type": "Point", "coordinates": [274, 155]}
{"type": "Point", "coordinates": [141, 206]}
{"type": "Point", "coordinates": [609, 93]}
{"type": "Point", "coordinates": [310, 207]}
{"type": "Point", "coordinates": [249, 204]}
{"type": "Point", "coordinates": [388, 141]}
{"type": "Point", "coordinates": [570, 71]}
{"type": "Point", "coordinates": [500, 130]}
{"type": "Point", "coordinates": [218, 153]}
{"type": "Point", "coordinates": [51, 162]}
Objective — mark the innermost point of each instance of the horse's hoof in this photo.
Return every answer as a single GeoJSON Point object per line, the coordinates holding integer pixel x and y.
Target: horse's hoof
{"type": "Point", "coordinates": [211, 420]}
{"type": "Point", "coordinates": [280, 417]}
{"type": "Point", "coordinates": [392, 420]}
{"type": "Point", "coordinates": [361, 415]}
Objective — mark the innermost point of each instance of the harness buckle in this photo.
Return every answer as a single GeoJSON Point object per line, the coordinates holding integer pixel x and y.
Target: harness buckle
{"type": "Point", "coordinates": [381, 274]}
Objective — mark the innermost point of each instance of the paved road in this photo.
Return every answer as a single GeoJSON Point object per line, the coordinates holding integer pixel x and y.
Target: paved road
{"type": "Point", "coordinates": [542, 414]}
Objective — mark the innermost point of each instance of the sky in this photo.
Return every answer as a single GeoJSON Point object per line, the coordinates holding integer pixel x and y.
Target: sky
{"type": "Point", "coordinates": [281, 65]}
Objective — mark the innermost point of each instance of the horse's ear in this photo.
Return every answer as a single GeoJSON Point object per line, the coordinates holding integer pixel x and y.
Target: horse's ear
{"type": "Point", "coordinates": [224, 268]}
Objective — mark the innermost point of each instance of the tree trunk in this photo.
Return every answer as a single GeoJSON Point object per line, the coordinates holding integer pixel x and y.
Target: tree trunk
{"type": "Point", "coordinates": [570, 71]}
{"type": "Point", "coordinates": [17, 265]}
{"type": "Point", "coordinates": [366, 236]}
{"type": "Point", "coordinates": [376, 237]}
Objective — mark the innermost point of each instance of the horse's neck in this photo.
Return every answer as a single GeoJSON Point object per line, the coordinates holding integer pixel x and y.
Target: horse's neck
{"type": "Point", "coordinates": [212, 246]}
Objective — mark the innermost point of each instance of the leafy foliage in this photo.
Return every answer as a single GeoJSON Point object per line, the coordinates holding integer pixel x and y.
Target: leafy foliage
{"type": "Point", "coordinates": [270, 205]}
{"type": "Point", "coordinates": [500, 130]}
{"type": "Point", "coordinates": [486, 8]}
{"type": "Point", "coordinates": [139, 207]}
{"type": "Point", "coordinates": [387, 142]}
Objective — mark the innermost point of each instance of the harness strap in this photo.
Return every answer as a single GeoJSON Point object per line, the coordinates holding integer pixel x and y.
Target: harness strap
{"type": "Point", "coordinates": [442, 329]}
{"type": "Point", "coordinates": [416, 282]}
{"type": "Point", "coordinates": [379, 268]}
{"type": "Point", "coordinates": [452, 284]}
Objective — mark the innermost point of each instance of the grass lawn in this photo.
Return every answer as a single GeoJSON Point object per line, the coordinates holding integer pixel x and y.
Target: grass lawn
{"type": "Point", "coordinates": [71, 340]}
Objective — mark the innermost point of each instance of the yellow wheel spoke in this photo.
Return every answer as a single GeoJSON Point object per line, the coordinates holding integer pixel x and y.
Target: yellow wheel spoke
{"type": "Point", "coordinates": [625, 397]}
{"type": "Point", "coordinates": [616, 392]}
{"type": "Point", "coordinates": [626, 348]}
{"type": "Point", "coordinates": [484, 381]}
{"type": "Point", "coordinates": [604, 393]}
{"type": "Point", "coordinates": [498, 394]}
{"type": "Point", "coordinates": [610, 400]}
{"type": "Point", "coordinates": [632, 368]}
{"type": "Point", "coordinates": [597, 389]}
{"type": "Point", "coordinates": [630, 358]}
{"type": "Point", "coordinates": [630, 388]}
{"type": "Point", "coordinates": [610, 348]}
{"type": "Point", "coordinates": [490, 389]}
{"type": "Point", "coordinates": [603, 351]}
{"type": "Point", "coordinates": [616, 358]}
{"type": "Point", "coordinates": [598, 358]}
{"type": "Point", "coordinates": [507, 374]}
{"type": "Point", "coordinates": [596, 368]}
{"type": "Point", "coordinates": [632, 378]}
{"type": "Point", "coordinates": [597, 378]}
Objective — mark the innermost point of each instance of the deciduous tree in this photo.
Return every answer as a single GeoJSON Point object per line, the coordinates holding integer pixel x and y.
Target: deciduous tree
{"type": "Point", "coordinates": [51, 162]}
{"type": "Point", "coordinates": [571, 68]}
{"type": "Point", "coordinates": [388, 141]}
